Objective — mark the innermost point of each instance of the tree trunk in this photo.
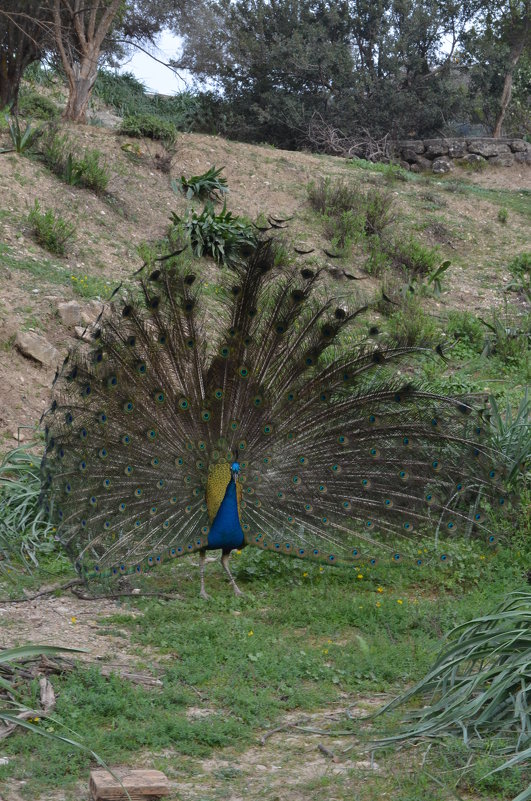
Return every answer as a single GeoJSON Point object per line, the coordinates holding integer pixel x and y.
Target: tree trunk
{"type": "Point", "coordinates": [514, 56]}
{"type": "Point", "coordinates": [504, 103]}
{"type": "Point", "coordinates": [81, 81]}
{"type": "Point", "coordinates": [79, 47]}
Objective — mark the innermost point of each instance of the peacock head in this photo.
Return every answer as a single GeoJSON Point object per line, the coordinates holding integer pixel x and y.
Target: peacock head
{"type": "Point", "coordinates": [235, 470]}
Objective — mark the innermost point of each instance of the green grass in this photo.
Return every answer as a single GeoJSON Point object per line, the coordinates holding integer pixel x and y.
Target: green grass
{"type": "Point", "coordinates": [302, 639]}
{"type": "Point", "coordinates": [84, 285]}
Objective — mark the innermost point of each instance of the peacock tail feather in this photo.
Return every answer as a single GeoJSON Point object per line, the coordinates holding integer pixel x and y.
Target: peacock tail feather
{"type": "Point", "coordinates": [340, 458]}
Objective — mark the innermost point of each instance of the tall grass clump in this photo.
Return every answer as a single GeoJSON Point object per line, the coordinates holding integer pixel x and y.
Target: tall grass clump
{"type": "Point", "coordinates": [24, 528]}
{"type": "Point", "coordinates": [88, 170]}
{"type": "Point", "coordinates": [51, 230]}
{"type": "Point", "coordinates": [479, 689]}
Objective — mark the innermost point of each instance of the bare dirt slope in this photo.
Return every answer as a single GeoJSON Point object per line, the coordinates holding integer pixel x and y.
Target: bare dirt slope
{"type": "Point", "coordinates": [262, 179]}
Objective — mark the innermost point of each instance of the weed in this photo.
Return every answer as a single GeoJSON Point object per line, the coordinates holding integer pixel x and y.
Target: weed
{"type": "Point", "coordinates": [378, 260]}
{"type": "Point", "coordinates": [520, 269]}
{"type": "Point", "coordinates": [413, 256]}
{"type": "Point", "coordinates": [60, 157]}
{"type": "Point", "coordinates": [332, 198]}
{"type": "Point", "coordinates": [509, 338]}
{"type": "Point", "coordinates": [51, 231]}
{"type": "Point", "coordinates": [148, 125]}
{"type": "Point", "coordinates": [466, 328]}
{"type": "Point", "coordinates": [410, 325]}
{"type": "Point", "coordinates": [378, 211]}
{"type": "Point", "coordinates": [503, 215]}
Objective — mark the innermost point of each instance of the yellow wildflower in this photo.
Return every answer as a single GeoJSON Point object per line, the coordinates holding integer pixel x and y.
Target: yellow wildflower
{"type": "Point", "coordinates": [399, 601]}
{"type": "Point", "coordinates": [73, 620]}
{"type": "Point", "coordinates": [378, 604]}
{"type": "Point", "coordinates": [379, 589]}
{"type": "Point", "coordinates": [305, 575]}
{"type": "Point", "coordinates": [325, 650]}
{"type": "Point", "coordinates": [360, 575]}
{"type": "Point", "coordinates": [250, 633]}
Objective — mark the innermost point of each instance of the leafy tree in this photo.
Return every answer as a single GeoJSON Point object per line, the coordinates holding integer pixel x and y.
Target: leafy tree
{"type": "Point", "coordinates": [497, 49]}
{"type": "Point", "coordinates": [23, 36]}
{"type": "Point", "coordinates": [381, 65]}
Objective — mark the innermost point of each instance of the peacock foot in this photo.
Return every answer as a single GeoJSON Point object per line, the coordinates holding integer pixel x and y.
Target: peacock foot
{"type": "Point", "coordinates": [205, 596]}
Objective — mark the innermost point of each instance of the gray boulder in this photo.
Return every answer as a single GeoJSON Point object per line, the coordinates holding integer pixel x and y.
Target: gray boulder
{"type": "Point", "coordinates": [35, 346]}
{"type": "Point", "coordinates": [441, 166]}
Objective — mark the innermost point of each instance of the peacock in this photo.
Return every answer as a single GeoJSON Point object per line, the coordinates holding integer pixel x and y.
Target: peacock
{"type": "Point", "coordinates": [251, 415]}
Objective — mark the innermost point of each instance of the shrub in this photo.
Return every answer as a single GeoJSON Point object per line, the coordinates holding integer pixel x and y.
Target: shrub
{"type": "Point", "coordinates": [378, 211]}
{"type": "Point", "coordinates": [150, 126]}
{"type": "Point", "coordinates": [51, 230]}
{"type": "Point", "coordinates": [33, 104]}
{"type": "Point", "coordinates": [416, 258]}
{"type": "Point", "coordinates": [467, 328]}
{"type": "Point", "coordinates": [60, 157]}
{"type": "Point", "coordinates": [333, 197]}
{"type": "Point", "coordinates": [411, 326]}
{"type": "Point", "coordinates": [222, 236]}
{"type": "Point", "coordinates": [503, 215]}
{"type": "Point", "coordinates": [520, 269]}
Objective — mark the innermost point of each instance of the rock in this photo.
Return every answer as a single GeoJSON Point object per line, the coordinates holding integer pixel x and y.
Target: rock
{"type": "Point", "coordinates": [518, 146]}
{"type": "Point", "coordinates": [414, 168]}
{"type": "Point", "coordinates": [507, 160]}
{"type": "Point", "coordinates": [457, 150]}
{"type": "Point", "coordinates": [404, 164]}
{"type": "Point", "coordinates": [70, 313]}
{"type": "Point", "coordinates": [416, 145]}
{"type": "Point", "coordinates": [436, 147]}
{"type": "Point", "coordinates": [423, 163]}
{"type": "Point", "coordinates": [4, 761]}
{"type": "Point", "coordinates": [523, 158]}
{"type": "Point", "coordinates": [441, 166]}
{"type": "Point", "coordinates": [84, 333]}
{"type": "Point", "coordinates": [409, 154]}
{"type": "Point", "coordinates": [35, 346]}
{"type": "Point", "coordinates": [473, 158]}
{"type": "Point", "coordinates": [487, 147]}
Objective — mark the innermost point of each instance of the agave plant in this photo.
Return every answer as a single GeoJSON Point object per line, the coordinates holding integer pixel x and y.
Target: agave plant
{"type": "Point", "coordinates": [479, 687]}
{"type": "Point", "coordinates": [222, 236]}
{"type": "Point", "coordinates": [510, 435]}
{"type": "Point", "coordinates": [23, 525]}
{"type": "Point", "coordinates": [204, 186]}
{"type": "Point", "coordinates": [22, 138]}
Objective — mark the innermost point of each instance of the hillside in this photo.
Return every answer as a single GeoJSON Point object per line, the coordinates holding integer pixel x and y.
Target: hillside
{"type": "Point", "coordinates": [457, 214]}
{"type": "Point", "coordinates": [199, 689]}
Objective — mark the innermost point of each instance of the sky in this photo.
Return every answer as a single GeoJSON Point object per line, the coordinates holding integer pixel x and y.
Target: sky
{"type": "Point", "coordinates": [154, 76]}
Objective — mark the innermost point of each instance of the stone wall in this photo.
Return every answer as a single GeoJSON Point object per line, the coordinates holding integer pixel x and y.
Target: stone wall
{"type": "Point", "coordinates": [438, 155]}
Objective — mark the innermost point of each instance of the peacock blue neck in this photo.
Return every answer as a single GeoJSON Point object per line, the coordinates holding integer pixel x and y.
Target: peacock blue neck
{"type": "Point", "coordinates": [226, 531]}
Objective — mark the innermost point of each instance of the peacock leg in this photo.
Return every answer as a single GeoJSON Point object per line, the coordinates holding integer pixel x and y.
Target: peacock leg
{"type": "Point", "coordinates": [225, 563]}
{"type": "Point", "coordinates": [203, 593]}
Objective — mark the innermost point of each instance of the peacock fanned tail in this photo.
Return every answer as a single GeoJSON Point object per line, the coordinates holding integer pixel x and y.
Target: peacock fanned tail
{"type": "Point", "coordinates": [340, 457]}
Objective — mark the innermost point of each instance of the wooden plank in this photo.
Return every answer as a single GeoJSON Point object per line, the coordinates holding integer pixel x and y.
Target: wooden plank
{"type": "Point", "coordinates": [140, 784]}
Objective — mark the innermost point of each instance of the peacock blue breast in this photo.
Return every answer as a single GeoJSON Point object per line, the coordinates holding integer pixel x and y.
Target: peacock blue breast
{"type": "Point", "coordinates": [226, 531]}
